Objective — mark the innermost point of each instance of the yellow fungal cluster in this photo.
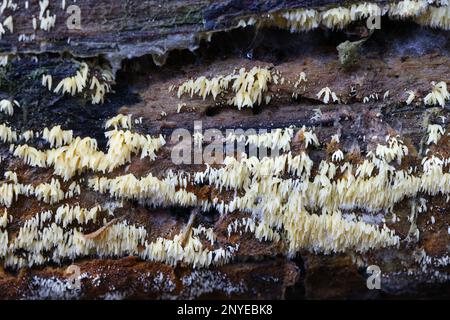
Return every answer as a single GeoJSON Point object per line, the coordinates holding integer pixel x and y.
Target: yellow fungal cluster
{"type": "Point", "coordinates": [150, 189]}
{"type": "Point", "coordinates": [9, 192]}
{"type": "Point", "coordinates": [80, 82]}
{"type": "Point", "coordinates": [50, 193]}
{"type": "Point", "coordinates": [57, 137]}
{"type": "Point", "coordinates": [191, 253]}
{"type": "Point", "coordinates": [4, 219]}
{"type": "Point", "coordinates": [300, 20]}
{"type": "Point", "coordinates": [81, 154]}
{"type": "Point", "coordinates": [65, 215]}
{"type": "Point", "coordinates": [438, 95]}
{"type": "Point", "coordinates": [248, 86]}
{"type": "Point", "coordinates": [285, 198]}
{"type": "Point", "coordinates": [75, 84]}
{"type": "Point", "coordinates": [203, 86]}
{"type": "Point", "coordinates": [45, 233]}
{"type": "Point", "coordinates": [101, 87]}
{"type": "Point", "coordinates": [394, 150]}
{"type": "Point", "coordinates": [336, 18]}
{"type": "Point", "coordinates": [281, 206]}
{"type": "Point", "coordinates": [7, 134]}
{"type": "Point", "coordinates": [278, 138]}
{"type": "Point", "coordinates": [119, 122]}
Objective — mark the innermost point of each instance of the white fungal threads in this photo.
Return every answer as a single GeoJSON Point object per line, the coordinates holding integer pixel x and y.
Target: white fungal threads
{"type": "Point", "coordinates": [337, 156]}
{"type": "Point", "coordinates": [7, 106]}
{"type": "Point", "coordinates": [277, 196]}
{"type": "Point", "coordinates": [301, 78]}
{"type": "Point", "coordinates": [102, 86]}
{"type": "Point", "coordinates": [248, 87]}
{"type": "Point", "coordinates": [327, 93]}
{"type": "Point", "coordinates": [4, 220]}
{"type": "Point", "coordinates": [8, 4]}
{"type": "Point", "coordinates": [438, 95]}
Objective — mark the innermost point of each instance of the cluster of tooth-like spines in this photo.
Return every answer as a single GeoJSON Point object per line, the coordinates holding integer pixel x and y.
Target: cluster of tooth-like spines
{"type": "Point", "coordinates": [82, 154]}
{"type": "Point", "coordinates": [248, 87]}
{"type": "Point", "coordinates": [57, 137]}
{"type": "Point", "coordinates": [150, 189]}
{"type": "Point", "coordinates": [281, 209]}
{"type": "Point", "coordinates": [45, 239]}
{"type": "Point", "coordinates": [120, 121]}
{"type": "Point", "coordinates": [81, 81]}
{"type": "Point", "coordinates": [300, 20]}
{"type": "Point", "coordinates": [435, 132]}
{"type": "Point", "coordinates": [275, 139]}
{"type": "Point", "coordinates": [439, 94]}
{"type": "Point", "coordinates": [192, 252]}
